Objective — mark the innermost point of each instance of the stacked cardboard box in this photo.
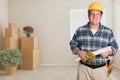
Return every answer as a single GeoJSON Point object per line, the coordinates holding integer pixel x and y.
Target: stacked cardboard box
{"type": "Point", "coordinates": [12, 37]}
{"type": "Point", "coordinates": [30, 52]}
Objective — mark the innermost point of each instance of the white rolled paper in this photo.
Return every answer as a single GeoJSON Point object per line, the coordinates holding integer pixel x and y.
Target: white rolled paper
{"type": "Point", "coordinates": [97, 52]}
{"type": "Point", "coordinates": [102, 50]}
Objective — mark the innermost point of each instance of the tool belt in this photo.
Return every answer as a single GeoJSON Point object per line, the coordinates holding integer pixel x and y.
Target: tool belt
{"type": "Point", "coordinates": [93, 66]}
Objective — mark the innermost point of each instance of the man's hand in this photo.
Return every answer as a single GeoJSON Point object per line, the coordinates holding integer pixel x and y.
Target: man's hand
{"type": "Point", "coordinates": [105, 54]}
{"type": "Point", "coordinates": [83, 55]}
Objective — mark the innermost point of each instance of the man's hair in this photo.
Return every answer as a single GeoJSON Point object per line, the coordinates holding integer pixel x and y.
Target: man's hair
{"type": "Point", "coordinates": [90, 10]}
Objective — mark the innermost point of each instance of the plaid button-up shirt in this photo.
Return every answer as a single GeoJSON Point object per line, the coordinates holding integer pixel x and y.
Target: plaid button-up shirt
{"type": "Point", "coordinates": [83, 39]}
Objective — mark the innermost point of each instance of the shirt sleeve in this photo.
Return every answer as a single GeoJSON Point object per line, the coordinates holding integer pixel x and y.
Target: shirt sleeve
{"type": "Point", "coordinates": [113, 43]}
{"type": "Point", "coordinates": [74, 43]}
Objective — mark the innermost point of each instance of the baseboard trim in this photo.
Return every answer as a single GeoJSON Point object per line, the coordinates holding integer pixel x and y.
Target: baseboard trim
{"type": "Point", "coordinates": [58, 64]}
{"type": "Point", "coordinates": [70, 65]}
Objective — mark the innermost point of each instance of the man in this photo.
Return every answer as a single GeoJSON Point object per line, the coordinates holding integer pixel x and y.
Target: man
{"type": "Point", "coordinates": [91, 37]}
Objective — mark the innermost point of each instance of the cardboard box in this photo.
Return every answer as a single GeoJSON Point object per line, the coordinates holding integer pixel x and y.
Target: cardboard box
{"type": "Point", "coordinates": [11, 25]}
{"type": "Point", "coordinates": [29, 43]}
{"type": "Point", "coordinates": [31, 59]}
{"type": "Point", "coordinates": [10, 42]}
{"type": "Point", "coordinates": [12, 32]}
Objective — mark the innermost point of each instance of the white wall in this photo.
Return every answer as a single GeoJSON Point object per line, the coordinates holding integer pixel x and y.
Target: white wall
{"type": "Point", "coordinates": [51, 21]}
{"type": "Point", "coordinates": [117, 30]}
{"type": "Point", "coordinates": [3, 17]}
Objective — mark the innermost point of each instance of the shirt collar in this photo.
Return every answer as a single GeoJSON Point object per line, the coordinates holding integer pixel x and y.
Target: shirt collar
{"type": "Point", "coordinates": [88, 25]}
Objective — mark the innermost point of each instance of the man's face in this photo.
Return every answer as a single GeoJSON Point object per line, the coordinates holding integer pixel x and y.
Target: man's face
{"type": "Point", "coordinates": [95, 17]}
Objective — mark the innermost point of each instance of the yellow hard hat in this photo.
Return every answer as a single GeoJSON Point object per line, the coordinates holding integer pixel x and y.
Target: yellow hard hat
{"type": "Point", "coordinates": [95, 6]}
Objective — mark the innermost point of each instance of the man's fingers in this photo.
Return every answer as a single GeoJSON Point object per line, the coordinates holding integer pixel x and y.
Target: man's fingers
{"type": "Point", "coordinates": [87, 56]}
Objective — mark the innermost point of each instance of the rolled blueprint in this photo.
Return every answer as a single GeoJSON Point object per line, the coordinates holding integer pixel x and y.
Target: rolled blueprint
{"type": "Point", "coordinates": [97, 52]}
